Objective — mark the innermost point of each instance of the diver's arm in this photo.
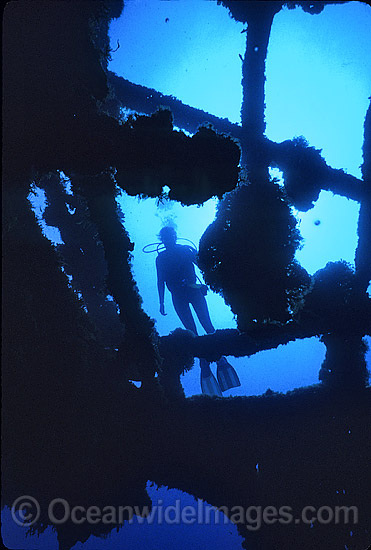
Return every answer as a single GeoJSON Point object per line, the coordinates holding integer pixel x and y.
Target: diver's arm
{"type": "Point", "coordinates": [194, 256]}
{"type": "Point", "coordinates": [160, 287]}
{"type": "Point", "coordinates": [161, 295]}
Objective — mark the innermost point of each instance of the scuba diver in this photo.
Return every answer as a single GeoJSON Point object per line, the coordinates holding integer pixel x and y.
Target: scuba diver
{"type": "Point", "coordinates": [175, 268]}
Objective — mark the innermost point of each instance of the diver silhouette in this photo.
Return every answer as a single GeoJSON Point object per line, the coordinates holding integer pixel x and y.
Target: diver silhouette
{"type": "Point", "coordinates": [175, 268]}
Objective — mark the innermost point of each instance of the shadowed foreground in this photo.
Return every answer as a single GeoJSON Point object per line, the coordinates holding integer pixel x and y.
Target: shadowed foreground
{"type": "Point", "coordinates": [75, 427]}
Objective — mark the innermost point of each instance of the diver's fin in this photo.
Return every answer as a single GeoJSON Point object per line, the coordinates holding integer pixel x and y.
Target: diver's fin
{"type": "Point", "coordinates": [227, 376]}
{"type": "Point", "coordinates": [209, 384]}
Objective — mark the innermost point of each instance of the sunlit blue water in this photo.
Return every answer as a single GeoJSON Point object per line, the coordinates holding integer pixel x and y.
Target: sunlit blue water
{"type": "Point", "coordinates": [318, 82]}
{"type": "Point", "coordinates": [192, 54]}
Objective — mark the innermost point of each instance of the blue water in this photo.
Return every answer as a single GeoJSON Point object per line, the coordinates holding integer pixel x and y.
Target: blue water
{"type": "Point", "coordinates": [193, 54]}
{"type": "Point", "coordinates": [166, 532]}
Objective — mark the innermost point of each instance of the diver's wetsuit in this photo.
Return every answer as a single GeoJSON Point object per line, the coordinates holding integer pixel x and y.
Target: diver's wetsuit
{"type": "Point", "coordinates": [175, 267]}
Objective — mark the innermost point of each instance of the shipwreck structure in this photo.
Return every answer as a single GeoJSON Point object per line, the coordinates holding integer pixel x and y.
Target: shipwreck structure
{"type": "Point", "coordinates": [74, 424]}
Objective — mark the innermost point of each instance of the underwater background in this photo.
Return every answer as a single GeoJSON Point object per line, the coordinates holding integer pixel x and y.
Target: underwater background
{"type": "Point", "coordinates": [318, 81]}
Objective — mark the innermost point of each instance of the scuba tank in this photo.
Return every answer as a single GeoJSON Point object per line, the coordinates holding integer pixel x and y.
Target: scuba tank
{"type": "Point", "coordinates": [160, 247]}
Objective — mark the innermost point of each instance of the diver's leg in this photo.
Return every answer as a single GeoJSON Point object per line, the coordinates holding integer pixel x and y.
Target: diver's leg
{"type": "Point", "coordinates": [198, 301]}
{"type": "Point", "coordinates": [209, 384]}
{"type": "Point", "coordinates": [181, 306]}
{"type": "Point", "coordinates": [227, 376]}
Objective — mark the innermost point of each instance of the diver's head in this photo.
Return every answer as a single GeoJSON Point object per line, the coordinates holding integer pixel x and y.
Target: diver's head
{"type": "Point", "coordinates": [168, 236]}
